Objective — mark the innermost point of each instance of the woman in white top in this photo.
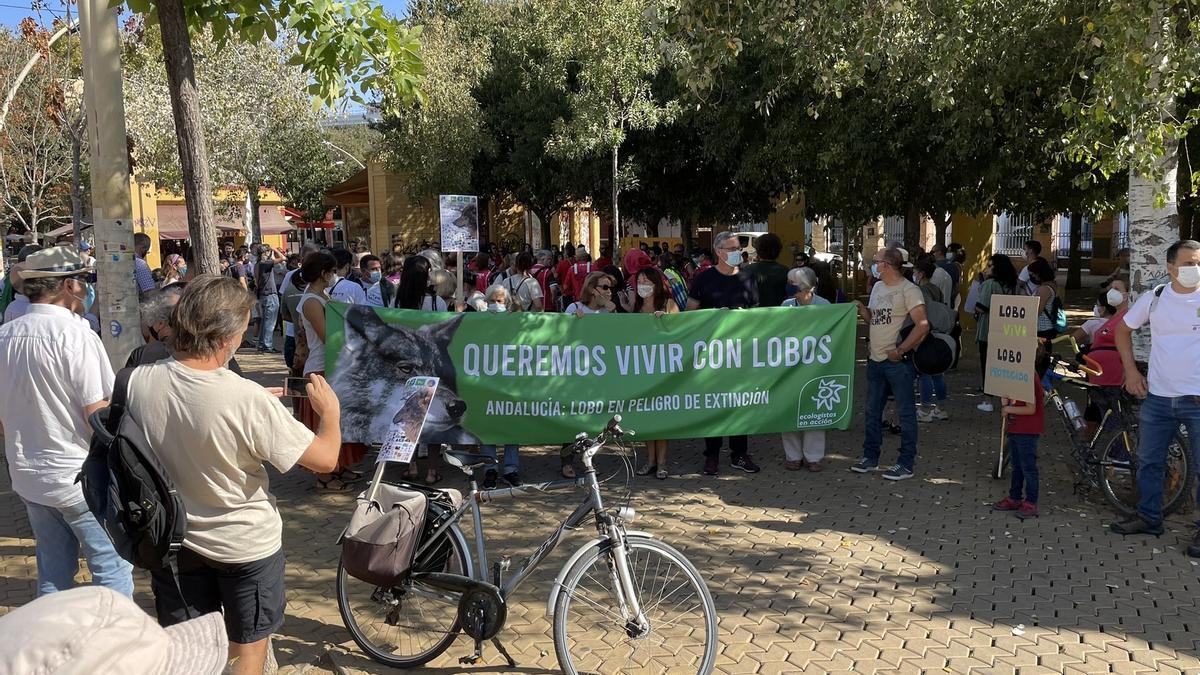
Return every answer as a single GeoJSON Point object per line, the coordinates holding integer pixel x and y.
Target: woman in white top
{"type": "Point", "coordinates": [318, 271]}
{"type": "Point", "coordinates": [803, 449]}
{"type": "Point", "coordinates": [596, 297]}
{"type": "Point", "coordinates": [174, 270]}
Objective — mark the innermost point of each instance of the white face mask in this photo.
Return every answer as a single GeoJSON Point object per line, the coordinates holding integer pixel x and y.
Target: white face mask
{"type": "Point", "coordinates": [1096, 310]}
{"type": "Point", "coordinates": [645, 290]}
{"type": "Point", "coordinates": [1189, 276]}
{"type": "Point", "coordinates": [496, 308]}
{"type": "Point", "coordinates": [733, 258]}
{"type": "Point", "coordinates": [1114, 297]}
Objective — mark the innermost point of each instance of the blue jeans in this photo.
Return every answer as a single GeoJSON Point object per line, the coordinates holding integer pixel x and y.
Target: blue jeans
{"type": "Point", "coordinates": [1023, 450]}
{"type": "Point", "coordinates": [933, 385]}
{"type": "Point", "coordinates": [898, 377]}
{"type": "Point", "coordinates": [289, 350]}
{"type": "Point", "coordinates": [512, 461]}
{"type": "Point", "coordinates": [59, 534]}
{"type": "Point", "coordinates": [1160, 420]}
{"type": "Point", "coordinates": [268, 312]}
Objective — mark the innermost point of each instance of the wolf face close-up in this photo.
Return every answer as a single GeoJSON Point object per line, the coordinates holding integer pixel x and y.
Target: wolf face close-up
{"type": "Point", "coordinates": [377, 359]}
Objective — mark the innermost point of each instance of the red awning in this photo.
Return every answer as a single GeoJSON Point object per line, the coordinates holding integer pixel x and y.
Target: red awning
{"type": "Point", "coordinates": [296, 218]}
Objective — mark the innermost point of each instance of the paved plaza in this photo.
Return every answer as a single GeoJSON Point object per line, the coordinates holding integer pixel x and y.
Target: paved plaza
{"type": "Point", "coordinates": [828, 572]}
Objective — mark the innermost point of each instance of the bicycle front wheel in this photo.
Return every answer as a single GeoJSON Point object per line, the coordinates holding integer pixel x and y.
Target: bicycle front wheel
{"type": "Point", "coordinates": [1118, 474]}
{"type": "Point", "coordinates": [409, 624]}
{"type": "Point", "coordinates": [591, 633]}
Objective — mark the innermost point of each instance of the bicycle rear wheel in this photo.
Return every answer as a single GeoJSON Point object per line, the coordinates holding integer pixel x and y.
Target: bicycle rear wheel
{"type": "Point", "coordinates": [411, 624]}
{"type": "Point", "coordinates": [1118, 474]}
{"type": "Point", "coordinates": [590, 631]}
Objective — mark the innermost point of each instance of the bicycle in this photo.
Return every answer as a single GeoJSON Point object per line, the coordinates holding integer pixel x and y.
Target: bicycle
{"type": "Point", "coordinates": [1111, 467]}
{"type": "Point", "coordinates": [609, 602]}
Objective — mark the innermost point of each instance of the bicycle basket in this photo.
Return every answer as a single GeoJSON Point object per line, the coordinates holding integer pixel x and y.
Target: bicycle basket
{"type": "Point", "coordinates": [378, 545]}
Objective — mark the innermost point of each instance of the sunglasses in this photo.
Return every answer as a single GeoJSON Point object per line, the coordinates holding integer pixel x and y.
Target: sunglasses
{"type": "Point", "coordinates": [604, 287]}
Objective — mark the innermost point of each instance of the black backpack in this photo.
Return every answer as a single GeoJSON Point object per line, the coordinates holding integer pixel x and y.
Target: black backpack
{"type": "Point", "coordinates": [128, 490]}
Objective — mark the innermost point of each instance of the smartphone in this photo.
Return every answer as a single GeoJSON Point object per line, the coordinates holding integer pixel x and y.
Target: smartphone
{"type": "Point", "coordinates": [294, 387]}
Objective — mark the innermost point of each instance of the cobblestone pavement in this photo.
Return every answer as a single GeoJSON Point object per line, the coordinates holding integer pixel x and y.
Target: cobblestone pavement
{"type": "Point", "coordinates": [810, 572]}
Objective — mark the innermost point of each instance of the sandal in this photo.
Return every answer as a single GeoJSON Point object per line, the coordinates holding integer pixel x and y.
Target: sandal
{"type": "Point", "coordinates": [568, 470]}
{"type": "Point", "coordinates": [661, 474]}
{"type": "Point", "coordinates": [348, 476]}
{"type": "Point", "coordinates": [332, 484]}
{"type": "Point", "coordinates": [793, 464]}
{"type": "Point", "coordinates": [437, 477]}
{"type": "Point", "coordinates": [647, 469]}
{"type": "Point", "coordinates": [412, 473]}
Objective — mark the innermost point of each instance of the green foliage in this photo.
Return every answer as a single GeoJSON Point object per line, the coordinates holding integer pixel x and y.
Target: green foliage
{"type": "Point", "coordinates": [347, 49]}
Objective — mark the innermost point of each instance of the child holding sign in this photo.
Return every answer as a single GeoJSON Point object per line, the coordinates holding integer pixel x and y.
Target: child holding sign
{"type": "Point", "coordinates": [1025, 423]}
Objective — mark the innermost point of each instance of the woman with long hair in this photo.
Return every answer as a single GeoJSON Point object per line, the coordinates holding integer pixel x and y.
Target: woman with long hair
{"type": "Point", "coordinates": [174, 270]}
{"type": "Point", "coordinates": [999, 278]}
{"type": "Point", "coordinates": [319, 271]}
{"type": "Point", "coordinates": [415, 291]}
{"type": "Point", "coordinates": [652, 295]}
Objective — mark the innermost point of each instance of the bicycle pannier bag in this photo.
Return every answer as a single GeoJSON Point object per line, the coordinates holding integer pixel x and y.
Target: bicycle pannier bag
{"type": "Point", "coordinates": [378, 545]}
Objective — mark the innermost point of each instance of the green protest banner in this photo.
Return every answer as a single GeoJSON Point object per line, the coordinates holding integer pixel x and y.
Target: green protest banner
{"type": "Point", "coordinates": [542, 378]}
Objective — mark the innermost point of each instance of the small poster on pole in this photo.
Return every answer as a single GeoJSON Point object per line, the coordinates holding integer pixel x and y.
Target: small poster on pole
{"type": "Point", "coordinates": [460, 223]}
{"type": "Point", "coordinates": [401, 440]}
{"type": "Point", "coordinates": [1012, 347]}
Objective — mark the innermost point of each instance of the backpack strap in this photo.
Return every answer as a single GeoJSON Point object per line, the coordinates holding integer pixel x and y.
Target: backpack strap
{"type": "Point", "coordinates": [116, 405]}
{"type": "Point", "coordinates": [1158, 291]}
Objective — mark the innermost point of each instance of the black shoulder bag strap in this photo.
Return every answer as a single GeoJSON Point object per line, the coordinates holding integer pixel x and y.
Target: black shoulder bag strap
{"type": "Point", "coordinates": [116, 404]}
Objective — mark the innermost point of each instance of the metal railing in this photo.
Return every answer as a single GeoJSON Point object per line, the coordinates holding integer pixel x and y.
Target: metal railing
{"type": "Point", "coordinates": [1062, 240]}
{"type": "Point", "coordinates": [1012, 231]}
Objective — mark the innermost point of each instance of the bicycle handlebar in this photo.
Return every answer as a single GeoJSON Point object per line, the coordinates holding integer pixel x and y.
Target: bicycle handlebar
{"type": "Point", "coordinates": [1089, 366]}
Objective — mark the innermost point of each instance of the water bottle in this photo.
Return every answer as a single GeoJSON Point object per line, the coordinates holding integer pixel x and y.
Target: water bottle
{"type": "Point", "coordinates": [1073, 414]}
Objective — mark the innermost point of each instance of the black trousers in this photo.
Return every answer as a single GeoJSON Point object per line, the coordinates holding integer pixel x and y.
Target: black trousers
{"type": "Point", "coordinates": [738, 446]}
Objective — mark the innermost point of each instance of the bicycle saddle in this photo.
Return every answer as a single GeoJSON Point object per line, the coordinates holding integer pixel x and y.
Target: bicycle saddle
{"type": "Point", "coordinates": [468, 460]}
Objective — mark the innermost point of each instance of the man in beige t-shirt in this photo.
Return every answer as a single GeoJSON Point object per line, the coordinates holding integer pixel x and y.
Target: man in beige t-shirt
{"type": "Point", "coordinates": [213, 431]}
{"type": "Point", "coordinates": [894, 300]}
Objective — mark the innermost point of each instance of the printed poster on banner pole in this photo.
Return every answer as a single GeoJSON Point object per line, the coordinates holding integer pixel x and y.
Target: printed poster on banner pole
{"type": "Point", "coordinates": [538, 377]}
{"type": "Point", "coordinates": [460, 222]}
{"type": "Point", "coordinates": [400, 441]}
{"type": "Point", "coordinates": [1012, 347]}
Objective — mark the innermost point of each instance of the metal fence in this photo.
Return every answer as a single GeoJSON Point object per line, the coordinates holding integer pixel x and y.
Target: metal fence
{"type": "Point", "coordinates": [1062, 240]}
{"type": "Point", "coordinates": [1122, 231]}
{"type": "Point", "coordinates": [1012, 231]}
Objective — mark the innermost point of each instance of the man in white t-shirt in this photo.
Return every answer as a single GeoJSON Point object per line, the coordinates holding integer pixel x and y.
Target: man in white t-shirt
{"type": "Point", "coordinates": [1172, 392]}
{"type": "Point", "coordinates": [1033, 251]}
{"type": "Point", "coordinates": [213, 432]}
{"type": "Point", "coordinates": [893, 299]}
{"type": "Point", "coordinates": [344, 289]}
{"type": "Point", "coordinates": [55, 374]}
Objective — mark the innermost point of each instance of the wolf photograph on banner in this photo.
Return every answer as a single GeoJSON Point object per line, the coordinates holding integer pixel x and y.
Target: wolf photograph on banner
{"type": "Point", "coordinates": [532, 378]}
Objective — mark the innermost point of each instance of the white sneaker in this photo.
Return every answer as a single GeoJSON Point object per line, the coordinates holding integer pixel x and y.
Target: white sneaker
{"type": "Point", "coordinates": [986, 406]}
{"type": "Point", "coordinates": [936, 413]}
{"type": "Point", "coordinates": [924, 414]}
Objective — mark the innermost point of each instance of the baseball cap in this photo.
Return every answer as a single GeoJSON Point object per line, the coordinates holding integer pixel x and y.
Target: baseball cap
{"type": "Point", "coordinates": [93, 629]}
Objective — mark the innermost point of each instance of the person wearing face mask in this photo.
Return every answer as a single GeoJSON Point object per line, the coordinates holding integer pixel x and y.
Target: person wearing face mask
{"type": "Point", "coordinates": [596, 296]}
{"type": "Point", "coordinates": [174, 270]}
{"type": "Point", "coordinates": [998, 278]}
{"type": "Point", "coordinates": [1033, 253]}
{"type": "Point", "coordinates": [55, 374]}
{"type": "Point", "coordinates": [1172, 390]}
{"type": "Point", "coordinates": [213, 432]}
{"type": "Point", "coordinates": [1099, 334]}
{"type": "Point", "coordinates": [319, 271]}
{"type": "Point", "coordinates": [652, 296]}
{"type": "Point", "coordinates": [725, 286]}
{"type": "Point", "coordinates": [804, 449]}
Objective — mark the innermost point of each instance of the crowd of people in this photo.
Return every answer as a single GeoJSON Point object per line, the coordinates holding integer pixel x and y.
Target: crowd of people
{"type": "Point", "coordinates": [215, 431]}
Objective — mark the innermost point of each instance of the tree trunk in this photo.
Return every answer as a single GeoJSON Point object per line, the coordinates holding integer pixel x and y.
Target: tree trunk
{"type": "Point", "coordinates": [940, 223]}
{"type": "Point", "coordinates": [685, 233]}
{"type": "Point", "coordinates": [1074, 255]}
{"type": "Point", "coordinates": [544, 226]}
{"type": "Point", "coordinates": [193, 156]}
{"type": "Point", "coordinates": [253, 220]}
{"type": "Point", "coordinates": [1151, 231]}
{"type": "Point", "coordinates": [615, 231]}
{"type": "Point", "coordinates": [912, 228]}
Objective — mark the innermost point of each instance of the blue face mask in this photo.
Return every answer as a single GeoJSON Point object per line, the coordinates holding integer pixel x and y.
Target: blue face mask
{"type": "Point", "coordinates": [875, 270]}
{"type": "Point", "coordinates": [376, 275]}
{"type": "Point", "coordinates": [89, 296]}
